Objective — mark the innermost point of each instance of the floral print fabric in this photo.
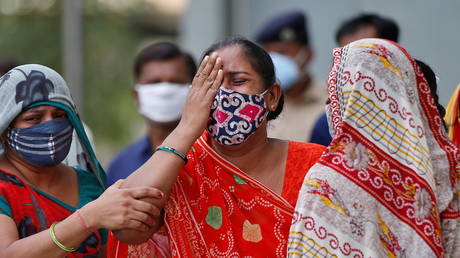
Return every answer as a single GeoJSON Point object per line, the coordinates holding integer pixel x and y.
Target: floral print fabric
{"type": "Point", "coordinates": [388, 184]}
{"type": "Point", "coordinates": [217, 210]}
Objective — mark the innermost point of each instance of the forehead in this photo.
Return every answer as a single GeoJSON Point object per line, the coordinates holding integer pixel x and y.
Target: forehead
{"type": "Point", "coordinates": [234, 59]}
{"type": "Point", "coordinates": [41, 109]}
{"type": "Point", "coordinates": [285, 48]}
{"type": "Point", "coordinates": [368, 31]}
{"type": "Point", "coordinates": [164, 70]}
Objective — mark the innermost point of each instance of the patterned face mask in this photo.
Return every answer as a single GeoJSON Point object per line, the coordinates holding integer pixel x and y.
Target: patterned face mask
{"type": "Point", "coordinates": [236, 116]}
{"type": "Point", "coordinates": [43, 145]}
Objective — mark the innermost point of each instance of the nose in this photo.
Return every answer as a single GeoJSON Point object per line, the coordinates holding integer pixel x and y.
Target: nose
{"type": "Point", "coordinates": [47, 116]}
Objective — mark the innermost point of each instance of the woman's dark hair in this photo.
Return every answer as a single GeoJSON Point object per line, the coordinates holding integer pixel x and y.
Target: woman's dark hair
{"type": "Point", "coordinates": [431, 79]}
{"type": "Point", "coordinates": [260, 61]}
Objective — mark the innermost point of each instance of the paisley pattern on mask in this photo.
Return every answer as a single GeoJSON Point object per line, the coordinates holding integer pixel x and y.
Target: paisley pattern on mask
{"type": "Point", "coordinates": [236, 116]}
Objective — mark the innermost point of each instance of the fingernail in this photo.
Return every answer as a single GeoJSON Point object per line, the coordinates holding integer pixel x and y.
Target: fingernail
{"type": "Point", "coordinates": [162, 194]}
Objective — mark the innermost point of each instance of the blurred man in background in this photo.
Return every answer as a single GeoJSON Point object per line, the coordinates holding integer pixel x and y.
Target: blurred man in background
{"type": "Point", "coordinates": [366, 26]}
{"type": "Point", "coordinates": [162, 74]}
{"type": "Point", "coordinates": [358, 27]}
{"type": "Point", "coordinates": [287, 35]}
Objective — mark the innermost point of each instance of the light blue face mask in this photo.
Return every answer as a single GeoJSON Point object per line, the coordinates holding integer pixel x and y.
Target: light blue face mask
{"type": "Point", "coordinates": [286, 70]}
{"type": "Point", "coordinates": [43, 145]}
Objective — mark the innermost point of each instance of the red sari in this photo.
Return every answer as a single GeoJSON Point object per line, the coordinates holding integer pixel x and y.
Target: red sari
{"type": "Point", "coordinates": [34, 211]}
{"type": "Point", "coordinates": [215, 209]}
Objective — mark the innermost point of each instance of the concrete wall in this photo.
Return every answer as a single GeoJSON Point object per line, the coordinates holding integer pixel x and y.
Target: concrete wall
{"type": "Point", "coordinates": [430, 30]}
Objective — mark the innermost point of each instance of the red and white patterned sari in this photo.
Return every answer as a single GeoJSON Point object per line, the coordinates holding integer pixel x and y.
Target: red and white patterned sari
{"type": "Point", "coordinates": [388, 184]}
{"type": "Point", "coordinates": [217, 210]}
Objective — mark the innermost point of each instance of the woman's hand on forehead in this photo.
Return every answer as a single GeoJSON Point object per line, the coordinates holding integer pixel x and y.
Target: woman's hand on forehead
{"type": "Point", "coordinates": [202, 93]}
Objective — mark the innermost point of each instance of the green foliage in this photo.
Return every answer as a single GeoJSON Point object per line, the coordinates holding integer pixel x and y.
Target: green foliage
{"type": "Point", "coordinates": [32, 38]}
{"type": "Point", "coordinates": [109, 47]}
{"type": "Point", "coordinates": [111, 41]}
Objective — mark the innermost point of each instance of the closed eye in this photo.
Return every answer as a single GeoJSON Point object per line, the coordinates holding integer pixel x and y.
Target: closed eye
{"type": "Point", "coordinates": [32, 118]}
{"type": "Point", "coordinates": [238, 81]}
{"type": "Point", "coordinates": [60, 115]}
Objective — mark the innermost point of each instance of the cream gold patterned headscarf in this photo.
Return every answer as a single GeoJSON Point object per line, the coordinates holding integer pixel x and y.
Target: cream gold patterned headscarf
{"type": "Point", "coordinates": [388, 184]}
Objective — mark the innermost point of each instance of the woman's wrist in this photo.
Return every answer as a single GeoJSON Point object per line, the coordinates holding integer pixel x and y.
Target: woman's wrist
{"type": "Point", "coordinates": [87, 218]}
{"type": "Point", "coordinates": [181, 138]}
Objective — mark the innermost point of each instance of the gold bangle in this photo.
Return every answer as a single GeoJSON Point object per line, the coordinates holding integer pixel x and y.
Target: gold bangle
{"type": "Point", "coordinates": [56, 242]}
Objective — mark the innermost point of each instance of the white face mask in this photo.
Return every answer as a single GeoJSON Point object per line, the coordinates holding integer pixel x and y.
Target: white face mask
{"type": "Point", "coordinates": [286, 70]}
{"type": "Point", "coordinates": [162, 102]}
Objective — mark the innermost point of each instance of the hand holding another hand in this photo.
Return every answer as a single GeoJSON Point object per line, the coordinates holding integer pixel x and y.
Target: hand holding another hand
{"type": "Point", "coordinates": [120, 208]}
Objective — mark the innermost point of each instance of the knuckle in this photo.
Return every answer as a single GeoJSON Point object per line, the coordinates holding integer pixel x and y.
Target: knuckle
{"type": "Point", "coordinates": [125, 193]}
{"type": "Point", "coordinates": [125, 203]}
{"type": "Point", "coordinates": [149, 192]}
{"type": "Point", "coordinates": [137, 224]}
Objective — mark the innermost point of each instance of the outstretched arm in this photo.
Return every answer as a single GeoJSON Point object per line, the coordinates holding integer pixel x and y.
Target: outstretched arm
{"type": "Point", "coordinates": [161, 170]}
{"type": "Point", "coordinates": [116, 208]}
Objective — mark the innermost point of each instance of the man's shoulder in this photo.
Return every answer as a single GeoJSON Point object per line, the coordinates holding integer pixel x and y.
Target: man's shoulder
{"type": "Point", "coordinates": [135, 148]}
{"type": "Point", "coordinates": [132, 153]}
{"type": "Point", "coordinates": [317, 92]}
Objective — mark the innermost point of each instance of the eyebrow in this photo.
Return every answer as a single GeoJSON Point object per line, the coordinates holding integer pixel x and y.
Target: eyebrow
{"type": "Point", "coordinates": [238, 72]}
{"type": "Point", "coordinates": [38, 110]}
{"type": "Point", "coordinates": [33, 110]}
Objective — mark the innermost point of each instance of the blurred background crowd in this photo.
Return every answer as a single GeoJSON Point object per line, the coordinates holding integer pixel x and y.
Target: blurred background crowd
{"type": "Point", "coordinates": [93, 43]}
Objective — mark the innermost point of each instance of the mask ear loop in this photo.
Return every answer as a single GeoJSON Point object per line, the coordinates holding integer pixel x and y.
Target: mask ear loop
{"type": "Point", "coordinates": [262, 95]}
{"type": "Point", "coordinates": [94, 164]}
{"type": "Point", "coordinates": [264, 92]}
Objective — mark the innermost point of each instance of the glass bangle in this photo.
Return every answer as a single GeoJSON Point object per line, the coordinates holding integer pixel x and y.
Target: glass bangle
{"type": "Point", "coordinates": [56, 241]}
{"type": "Point", "coordinates": [174, 151]}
